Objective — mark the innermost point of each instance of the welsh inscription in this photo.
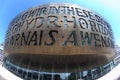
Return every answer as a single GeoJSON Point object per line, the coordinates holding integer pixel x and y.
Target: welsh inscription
{"type": "Point", "coordinates": [49, 25]}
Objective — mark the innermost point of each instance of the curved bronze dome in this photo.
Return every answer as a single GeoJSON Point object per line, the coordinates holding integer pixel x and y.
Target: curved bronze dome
{"type": "Point", "coordinates": [59, 34]}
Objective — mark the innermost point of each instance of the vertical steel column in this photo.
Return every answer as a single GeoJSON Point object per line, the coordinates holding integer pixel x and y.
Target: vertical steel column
{"type": "Point", "coordinates": [52, 72]}
{"type": "Point", "coordinates": [39, 73]}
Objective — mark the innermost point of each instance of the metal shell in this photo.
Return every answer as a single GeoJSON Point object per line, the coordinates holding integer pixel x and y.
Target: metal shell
{"type": "Point", "coordinates": [59, 34]}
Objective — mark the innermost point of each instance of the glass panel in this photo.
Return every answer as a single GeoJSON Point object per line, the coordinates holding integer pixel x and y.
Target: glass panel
{"type": "Point", "coordinates": [106, 68]}
{"type": "Point", "coordinates": [96, 72]}
{"type": "Point", "coordinates": [20, 72]}
{"type": "Point", "coordinates": [86, 75]}
{"type": "Point", "coordinates": [63, 72]}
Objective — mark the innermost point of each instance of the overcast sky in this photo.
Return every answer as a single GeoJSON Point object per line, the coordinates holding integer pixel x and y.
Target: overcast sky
{"type": "Point", "coordinates": [109, 9]}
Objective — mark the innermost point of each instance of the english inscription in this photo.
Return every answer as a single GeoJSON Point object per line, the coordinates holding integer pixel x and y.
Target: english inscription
{"type": "Point", "coordinates": [49, 25]}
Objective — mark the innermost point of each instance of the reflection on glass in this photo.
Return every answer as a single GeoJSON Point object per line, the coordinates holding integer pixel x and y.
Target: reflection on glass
{"type": "Point", "coordinates": [29, 74]}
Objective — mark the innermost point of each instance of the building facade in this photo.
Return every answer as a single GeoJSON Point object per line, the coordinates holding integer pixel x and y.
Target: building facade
{"type": "Point", "coordinates": [117, 55]}
{"type": "Point", "coordinates": [59, 42]}
{"type": "Point", "coordinates": [1, 53]}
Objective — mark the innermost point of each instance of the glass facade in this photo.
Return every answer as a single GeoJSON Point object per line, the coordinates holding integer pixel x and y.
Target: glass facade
{"type": "Point", "coordinates": [30, 74]}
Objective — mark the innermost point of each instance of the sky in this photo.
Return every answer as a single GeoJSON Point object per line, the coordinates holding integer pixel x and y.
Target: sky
{"type": "Point", "coordinates": [109, 9]}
